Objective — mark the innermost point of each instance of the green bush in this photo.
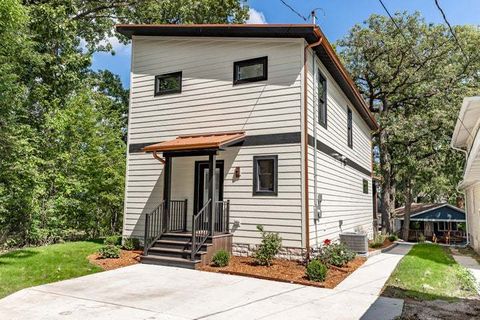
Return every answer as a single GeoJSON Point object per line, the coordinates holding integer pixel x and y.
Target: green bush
{"type": "Point", "coordinates": [393, 237]}
{"type": "Point", "coordinates": [112, 240]}
{"type": "Point", "coordinates": [130, 244]}
{"type": "Point", "coordinates": [316, 271]}
{"type": "Point", "coordinates": [377, 242]}
{"type": "Point", "coordinates": [421, 238]}
{"type": "Point", "coordinates": [109, 251]}
{"type": "Point", "coordinates": [270, 246]}
{"type": "Point", "coordinates": [221, 258]}
{"type": "Point", "coordinates": [336, 254]}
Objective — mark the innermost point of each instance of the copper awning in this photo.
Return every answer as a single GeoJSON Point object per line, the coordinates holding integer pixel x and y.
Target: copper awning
{"type": "Point", "coordinates": [198, 142]}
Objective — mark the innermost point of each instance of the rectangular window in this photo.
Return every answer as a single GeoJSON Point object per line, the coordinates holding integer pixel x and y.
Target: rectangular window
{"type": "Point", "coordinates": [265, 175]}
{"type": "Point", "coordinates": [350, 128]}
{"type": "Point", "coordinates": [365, 186]}
{"type": "Point", "coordinates": [168, 83]}
{"type": "Point", "coordinates": [322, 99]}
{"type": "Point", "coordinates": [250, 70]}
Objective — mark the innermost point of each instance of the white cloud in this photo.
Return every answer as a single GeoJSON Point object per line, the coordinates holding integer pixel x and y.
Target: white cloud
{"type": "Point", "coordinates": [255, 17]}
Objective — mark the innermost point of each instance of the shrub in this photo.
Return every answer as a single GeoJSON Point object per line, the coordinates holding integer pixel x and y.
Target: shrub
{"type": "Point", "coordinates": [109, 251]}
{"type": "Point", "coordinates": [421, 238]}
{"type": "Point", "coordinates": [130, 244]}
{"type": "Point", "coordinates": [316, 271]}
{"type": "Point", "coordinates": [377, 242]}
{"type": "Point", "coordinates": [270, 246]}
{"type": "Point", "coordinates": [336, 254]}
{"type": "Point", "coordinates": [112, 240]}
{"type": "Point", "coordinates": [393, 237]}
{"type": "Point", "coordinates": [221, 258]}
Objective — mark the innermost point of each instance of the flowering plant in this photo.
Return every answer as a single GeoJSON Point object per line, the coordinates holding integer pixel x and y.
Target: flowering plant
{"type": "Point", "coordinates": [326, 242]}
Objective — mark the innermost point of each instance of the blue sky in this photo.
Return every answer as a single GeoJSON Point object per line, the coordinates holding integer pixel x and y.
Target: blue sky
{"type": "Point", "coordinates": [335, 19]}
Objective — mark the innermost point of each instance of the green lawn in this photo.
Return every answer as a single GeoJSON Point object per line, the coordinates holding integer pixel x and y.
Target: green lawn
{"type": "Point", "coordinates": [34, 266]}
{"type": "Point", "coordinates": [429, 272]}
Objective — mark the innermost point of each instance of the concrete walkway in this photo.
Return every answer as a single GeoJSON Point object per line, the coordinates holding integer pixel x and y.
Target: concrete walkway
{"type": "Point", "coordinates": [153, 292]}
{"type": "Point", "coordinates": [469, 263]}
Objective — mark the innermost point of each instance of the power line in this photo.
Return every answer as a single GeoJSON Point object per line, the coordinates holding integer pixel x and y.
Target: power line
{"type": "Point", "coordinates": [400, 30]}
{"type": "Point", "coordinates": [451, 29]}
{"type": "Point", "coordinates": [294, 11]}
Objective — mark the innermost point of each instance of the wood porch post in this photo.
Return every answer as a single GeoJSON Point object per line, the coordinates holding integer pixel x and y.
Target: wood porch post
{"type": "Point", "coordinates": [167, 181]}
{"type": "Point", "coordinates": [212, 172]}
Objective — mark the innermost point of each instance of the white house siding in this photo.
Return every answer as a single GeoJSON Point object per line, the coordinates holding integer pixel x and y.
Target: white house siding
{"type": "Point", "coordinates": [341, 186]}
{"type": "Point", "coordinates": [210, 103]}
{"type": "Point", "coordinates": [472, 202]}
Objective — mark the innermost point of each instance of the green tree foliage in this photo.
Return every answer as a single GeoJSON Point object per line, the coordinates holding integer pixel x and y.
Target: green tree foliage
{"type": "Point", "coordinates": [415, 81]}
{"type": "Point", "coordinates": [63, 126]}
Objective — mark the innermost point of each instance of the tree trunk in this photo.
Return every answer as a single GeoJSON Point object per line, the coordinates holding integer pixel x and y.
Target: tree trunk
{"type": "Point", "coordinates": [386, 182]}
{"type": "Point", "coordinates": [408, 206]}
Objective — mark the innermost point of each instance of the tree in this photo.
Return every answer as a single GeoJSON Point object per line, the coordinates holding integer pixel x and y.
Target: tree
{"type": "Point", "coordinates": [414, 80]}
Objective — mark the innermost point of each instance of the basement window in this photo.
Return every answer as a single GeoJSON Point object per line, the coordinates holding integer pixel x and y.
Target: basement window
{"type": "Point", "coordinates": [265, 175]}
{"type": "Point", "coordinates": [250, 70]}
{"type": "Point", "coordinates": [168, 83]}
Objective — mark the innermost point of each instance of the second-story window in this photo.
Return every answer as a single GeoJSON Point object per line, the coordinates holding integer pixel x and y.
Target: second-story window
{"type": "Point", "coordinates": [349, 127]}
{"type": "Point", "coordinates": [322, 99]}
{"type": "Point", "coordinates": [250, 70]}
{"type": "Point", "coordinates": [168, 83]}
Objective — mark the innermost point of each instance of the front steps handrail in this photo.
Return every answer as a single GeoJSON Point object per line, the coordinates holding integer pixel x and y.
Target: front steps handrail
{"type": "Point", "coordinates": [154, 226]}
{"type": "Point", "coordinates": [200, 228]}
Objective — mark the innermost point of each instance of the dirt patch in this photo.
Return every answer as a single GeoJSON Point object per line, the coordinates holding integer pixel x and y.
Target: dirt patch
{"type": "Point", "coordinates": [465, 309]}
{"type": "Point", "coordinates": [386, 243]}
{"type": "Point", "coordinates": [127, 258]}
{"type": "Point", "coordinates": [285, 271]}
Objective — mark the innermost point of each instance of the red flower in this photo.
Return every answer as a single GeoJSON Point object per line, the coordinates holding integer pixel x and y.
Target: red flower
{"type": "Point", "coordinates": [326, 242]}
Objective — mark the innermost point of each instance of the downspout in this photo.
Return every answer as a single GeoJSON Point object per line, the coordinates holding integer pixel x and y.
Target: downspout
{"type": "Point", "coordinates": [305, 138]}
{"type": "Point", "coordinates": [315, 113]}
{"type": "Point", "coordinates": [466, 204]}
{"type": "Point", "coordinates": [156, 156]}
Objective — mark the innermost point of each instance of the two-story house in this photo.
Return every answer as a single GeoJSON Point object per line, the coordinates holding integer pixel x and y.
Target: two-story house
{"type": "Point", "coordinates": [465, 138]}
{"type": "Point", "coordinates": [273, 110]}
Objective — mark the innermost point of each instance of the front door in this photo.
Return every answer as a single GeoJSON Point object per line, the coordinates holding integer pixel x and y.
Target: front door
{"type": "Point", "coordinates": [201, 183]}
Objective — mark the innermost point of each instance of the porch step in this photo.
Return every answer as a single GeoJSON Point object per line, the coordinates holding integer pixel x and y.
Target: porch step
{"type": "Point", "coordinates": [178, 244]}
{"type": "Point", "coordinates": [170, 261]}
{"type": "Point", "coordinates": [185, 237]}
{"type": "Point", "coordinates": [174, 253]}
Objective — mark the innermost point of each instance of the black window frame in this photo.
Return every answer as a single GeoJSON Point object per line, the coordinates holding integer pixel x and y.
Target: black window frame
{"type": "Point", "coordinates": [350, 128]}
{"type": "Point", "coordinates": [257, 192]}
{"type": "Point", "coordinates": [177, 74]}
{"type": "Point", "coordinates": [365, 186]}
{"type": "Point", "coordinates": [248, 62]}
{"type": "Point", "coordinates": [322, 99]}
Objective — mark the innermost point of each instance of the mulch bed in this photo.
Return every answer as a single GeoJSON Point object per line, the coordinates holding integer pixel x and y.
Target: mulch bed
{"type": "Point", "coordinates": [127, 258]}
{"type": "Point", "coordinates": [285, 271]}
{"type": "Point", "coordinates": [386, 243]}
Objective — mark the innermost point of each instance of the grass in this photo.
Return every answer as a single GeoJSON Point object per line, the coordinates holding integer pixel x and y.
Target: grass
{"type": "Point", "coordinates": [35, 266]}
{"type": "Point", "coordinates": [429, 272]}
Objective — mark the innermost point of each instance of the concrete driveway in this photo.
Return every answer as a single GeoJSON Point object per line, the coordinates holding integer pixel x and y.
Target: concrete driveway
{"type": "Point", "coordinates": [154, 292]}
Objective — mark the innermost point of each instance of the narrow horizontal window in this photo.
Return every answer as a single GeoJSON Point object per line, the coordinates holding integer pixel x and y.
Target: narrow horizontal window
{"type": "Point", "coordinates": [350, 128]}
{"type": "Point", "coordinates": [265, 175]}
{"type": "Point", "coordinates": [365, 186]}
{"type": "Point", "coordinates": [168, 83]}
{"type": "Point", "coordinates": [322, 99]}
{"type": "Point", "coordinates": [250, 70]}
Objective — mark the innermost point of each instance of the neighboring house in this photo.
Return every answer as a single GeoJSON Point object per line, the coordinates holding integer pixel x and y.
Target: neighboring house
{"type": "Point", "coordinates": [440, 221]}
{"type": "Point", "coordinates": [273, 109]}
{"type": "Point", "coordinates": [465, 138]}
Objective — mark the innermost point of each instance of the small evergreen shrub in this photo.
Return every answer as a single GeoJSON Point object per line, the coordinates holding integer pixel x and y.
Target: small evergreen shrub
{"type": "Point", "coordinates": [109, 252]}
{"type": "Point", "coordinates": [392, 237]}
{"type": "Point", "coordinates": [270, 246]}
{"type": "Point", "coordinates": [221, 258]}
{"type": "Point", "coordinates": [377, 241]}
{"type": "Point", "coordinates": [316, 271]}
{"type": "Point", "coordinates": [336, 254]}
{"type": "Point", "coordinates": [130, 244]}
{"type": "Point", "coordinates": [112, 240]}
{"type": "Point", "coordinates": [421, 238]}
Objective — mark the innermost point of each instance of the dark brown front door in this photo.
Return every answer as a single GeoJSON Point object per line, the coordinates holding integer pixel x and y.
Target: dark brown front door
{"type": "Point", "coordinates": [201, 183]}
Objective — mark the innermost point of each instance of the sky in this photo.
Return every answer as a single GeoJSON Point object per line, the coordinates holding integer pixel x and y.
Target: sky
{"type": "Point", "coordinates": [335, 18]}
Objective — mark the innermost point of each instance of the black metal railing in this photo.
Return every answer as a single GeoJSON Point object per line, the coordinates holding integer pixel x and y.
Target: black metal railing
{"type": "Point", "coordinates": [155, 226]}
{"type": "Point", "coordinates": [222, 216]}
{"type": "Point", "coordinates": [200, 228]}
{"type": "Point", "coordinates": [177, 215]}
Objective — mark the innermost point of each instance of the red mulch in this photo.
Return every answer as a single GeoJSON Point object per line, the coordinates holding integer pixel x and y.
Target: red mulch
{"type": "Point", "coordinates": [127, 258]}
{"type": "Point", "coordinates": [285, 271]}
{"type": "Point", "coordinates": [386, 243]}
